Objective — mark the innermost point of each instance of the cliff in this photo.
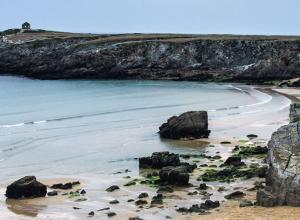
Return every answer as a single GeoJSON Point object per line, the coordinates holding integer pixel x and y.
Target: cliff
{"type": "Point", "coordinates": [55, 55]}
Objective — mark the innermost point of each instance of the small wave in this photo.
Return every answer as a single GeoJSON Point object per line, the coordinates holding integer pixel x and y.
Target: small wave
{"type": "Point", "coordinates": [23, 123]}
{"type": "Point", "coordinates": [12, 125]}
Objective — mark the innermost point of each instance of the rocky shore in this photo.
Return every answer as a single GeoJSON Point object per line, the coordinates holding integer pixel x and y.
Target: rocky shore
{"type": "Point", "coordinates": [283, 174]}
{"type": "Point", "coordinates": [55, 55]}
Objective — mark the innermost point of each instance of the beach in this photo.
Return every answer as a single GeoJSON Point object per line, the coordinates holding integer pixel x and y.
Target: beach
{"type": "Point", "coordinates": [230, 121]}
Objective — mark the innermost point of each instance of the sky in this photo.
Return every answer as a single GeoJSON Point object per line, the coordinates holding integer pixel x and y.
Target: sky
{"type": "Point", "coordinates": [268, 17]}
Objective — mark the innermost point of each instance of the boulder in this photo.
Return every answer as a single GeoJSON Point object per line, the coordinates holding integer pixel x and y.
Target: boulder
{"type": "Point", "coordinates": [26, 187]}
{"type": "Point", "coordinates": [192, 124]}
{"type": "Point", "coordinates": [283, 174]}
{"type": "Point", "coordinates": [159, 160]}
{"type": "Point", "coordinates": [175, 175]}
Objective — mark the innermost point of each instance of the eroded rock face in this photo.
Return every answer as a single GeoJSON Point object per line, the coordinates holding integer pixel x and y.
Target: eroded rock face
{"type": "Point", "coordinates": [26, 187]}
{"type": "Point", "coordinates": [240, 58]}
{"type": "Point", "coordinates": [193, 124]}
{"type": "Point", "coordinates": [295, 112]}
{"type": "Point", "coordinates": [283, 175]}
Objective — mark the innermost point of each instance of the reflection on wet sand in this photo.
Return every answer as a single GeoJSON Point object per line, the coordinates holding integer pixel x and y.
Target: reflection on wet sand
{"type": "Point", "coordinates": [21, 207]}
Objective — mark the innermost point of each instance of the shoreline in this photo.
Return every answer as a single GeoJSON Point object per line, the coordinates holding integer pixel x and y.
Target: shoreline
{"type": "Point", "coordinates": [180, 195]}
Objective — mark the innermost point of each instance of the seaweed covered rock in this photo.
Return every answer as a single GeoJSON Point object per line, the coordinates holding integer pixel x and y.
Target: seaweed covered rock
{"type": "Point", "coordinates": [283, 174]}
{"type": "Point", "coordinates": [193, 124]}
{"type": "Point", "coordinates": [26, 187]}
{"type": "Point", "coordinates": [159, 160]}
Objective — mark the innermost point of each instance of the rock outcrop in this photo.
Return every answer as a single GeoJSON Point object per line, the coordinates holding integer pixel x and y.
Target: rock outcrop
{"type": "Point", "coordinates": [295, 112]}
{"type": "Point", "coordinates": [283, 174]}
{"type": "Point", "coordinates": [159, 160]}
{"type": "Point", "coordinates": [137, 56]}
{"type": "Point", "coordinates": [192, 124]}
{"type": "Point", "coordinates": [26, 187]}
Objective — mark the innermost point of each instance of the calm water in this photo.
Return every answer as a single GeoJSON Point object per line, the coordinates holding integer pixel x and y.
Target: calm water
{"type": "Point", "coordinates": [61, 128]}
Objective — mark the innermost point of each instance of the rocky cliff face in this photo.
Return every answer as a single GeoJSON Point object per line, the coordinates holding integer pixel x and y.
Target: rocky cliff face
{"type": "Point", "coordinates": [171, 58]}
{"type": "Point", "coordinates": [283, 176]}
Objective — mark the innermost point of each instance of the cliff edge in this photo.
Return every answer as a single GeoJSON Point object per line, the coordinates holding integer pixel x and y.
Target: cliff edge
{"type": "Point", "coordinates": [58, 55]}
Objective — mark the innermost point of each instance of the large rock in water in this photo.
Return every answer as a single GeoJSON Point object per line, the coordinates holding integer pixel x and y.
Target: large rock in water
{"type": "Point", "coordinates": [283, 175]}
{"type": "Point", "coordinates": [26, 187]}
{"type": "Point", "coordinates": [192, 124]}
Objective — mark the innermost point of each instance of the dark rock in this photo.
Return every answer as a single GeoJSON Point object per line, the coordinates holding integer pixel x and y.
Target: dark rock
{"type": "Point", "coordinates": [62, 186]}
{"type": "Point", "coordinates": [252, 136]}
{"type": "Point", "coordinates": [141, 202]}
{"type": "Point", "coordinates": [283, 174]}
{"type": "Point", "coordinates": [53, 193]}
{"type": "Point", "coordinates": [112, 188]}
{"type": "Point", "coordinates": [143, 195]}
{"type": "Point", "coordinates": [26, 187]}
{"type": "Point", "coordinates": [157, 200]}
{"type": "Point", "coordinates": [175, 176]}
{"type": "Point", "coordinates": [82, 192]}
{"type": "Point", "coordinates": [235, 195]}
{"type": "Point", "coordinates": [245, 203]}
{"type": "Point", "coordinates": [225, 142]}
{"type": "Point", "coordinates": [114, 201]}
{"type": "Point", "coordinates": [130, 200]}
{"type": "Point", "coordinates": [203, 186]}
{"type": "Point", "coordinates": [135, 218]}
{"type": "Point", "coordinates": [111, 214]}
{"type": "Point", "coordinates": [233, 161]}
{"type": "Point", "coordinates": [159, 160]}
{"type": "Point", "coordinates": [189, 124]}
{"type": "Point", "coordinates": [76, 208]}
{"type": "Point", "coordinates": [165, 189]}
{"type": "Point", "coordinates": [202, 208]}
{"type": "Point", "coordinates": [91, 214]}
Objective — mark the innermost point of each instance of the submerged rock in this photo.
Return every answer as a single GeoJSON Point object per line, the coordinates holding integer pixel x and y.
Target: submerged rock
{"type": "Point", "coordinates": [192, 124]}
{"type": "Point", "coordinates": [26, 187]}
{"type": "Point", "coordinates": [159, 160]}
{"type": "Point", "coordinates": [283, 174]}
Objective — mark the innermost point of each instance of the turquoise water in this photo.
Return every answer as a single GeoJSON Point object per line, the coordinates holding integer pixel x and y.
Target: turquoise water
{"type": "Point", "coordinates": [71, 128]}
